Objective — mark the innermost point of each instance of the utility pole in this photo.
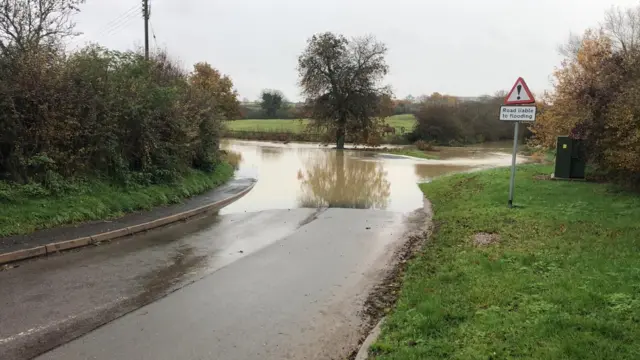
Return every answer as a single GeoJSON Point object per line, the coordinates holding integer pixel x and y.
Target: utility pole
{"type": "Point", "coordinates": [145, 15]}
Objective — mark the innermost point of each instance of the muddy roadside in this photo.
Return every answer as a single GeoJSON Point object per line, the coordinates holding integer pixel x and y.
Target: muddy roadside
{"type": "Point", "coordinates": [384, 295]}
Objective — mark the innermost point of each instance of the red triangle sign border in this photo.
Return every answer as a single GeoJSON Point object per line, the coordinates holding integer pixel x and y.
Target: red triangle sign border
{"type": "Point", "coordinates": [527, 91]}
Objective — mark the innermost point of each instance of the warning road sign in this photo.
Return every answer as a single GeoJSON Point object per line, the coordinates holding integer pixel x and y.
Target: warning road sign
{"type": "Point", "coordinates": [518, 113]}
{"type": "Point", "coordinates": [519, 94]}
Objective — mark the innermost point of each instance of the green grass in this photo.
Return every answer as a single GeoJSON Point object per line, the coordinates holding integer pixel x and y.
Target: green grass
{"type": "Point", "coordinates": [562, 283]}
{"type": "Point", "coordinates": [408, 121]}
{"type": "Point", "coordinates": [297, 126]}
{"type": "Point", "coordinates": [273, 125]}
{"type": "Point", "coordinates": [98, 201]}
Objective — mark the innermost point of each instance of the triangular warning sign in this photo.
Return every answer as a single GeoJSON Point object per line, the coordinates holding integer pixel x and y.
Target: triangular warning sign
{"type": "Point", "coordinates": [519, 94]}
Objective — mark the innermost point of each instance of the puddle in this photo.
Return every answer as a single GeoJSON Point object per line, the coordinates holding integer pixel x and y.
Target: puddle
{"type": "Point", "coordinates": [312, 175]}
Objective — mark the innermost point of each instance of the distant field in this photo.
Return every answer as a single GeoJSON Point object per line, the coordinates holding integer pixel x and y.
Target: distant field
{"type": "Point", "coordinates": [297, 126]}
{"type": "Point", "coordinates": [276, 125]}
{"type": "Point", "coordinates": [408, 121]}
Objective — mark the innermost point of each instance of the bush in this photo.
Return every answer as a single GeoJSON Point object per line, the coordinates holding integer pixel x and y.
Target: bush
{"type": "Point", "coordinates": [232, 158]}
{"type": "Point", "coordinates": [103, 113]}
{"type": "Point", "coordinates": [423, 145]}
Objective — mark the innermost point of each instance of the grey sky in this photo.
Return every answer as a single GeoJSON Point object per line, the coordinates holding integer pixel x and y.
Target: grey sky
{"type": "Point", "coordinates": [457, 47]}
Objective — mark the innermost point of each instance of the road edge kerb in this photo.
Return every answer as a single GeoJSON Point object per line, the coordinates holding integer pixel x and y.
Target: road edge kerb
{"type": "Point", "coordinates": [363, 353]}
{"type": "Point", "coordinates": [58, 246]}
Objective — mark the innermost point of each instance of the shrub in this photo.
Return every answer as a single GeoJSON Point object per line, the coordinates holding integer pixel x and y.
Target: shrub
{"type": "Point", "coordinates": [233, 158]}
{"type": "Point", "coordinates": [106, 113]}
{"type": "Point", "coordinates": [423, 145]}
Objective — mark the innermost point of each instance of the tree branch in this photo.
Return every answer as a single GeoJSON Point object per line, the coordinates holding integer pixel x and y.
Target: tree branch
{"type": "Point", "coordinates": [29, 23]}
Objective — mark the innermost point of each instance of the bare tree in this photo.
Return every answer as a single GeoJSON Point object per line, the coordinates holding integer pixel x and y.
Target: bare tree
{"type": "Point", "coordinates": [340, 80]}
{"type": "Point", "coordinates": [623, 27]}
{"type": "Point", "coordinates": [27, 24]}
{"type": "Point", "coordinates": [571, 47]}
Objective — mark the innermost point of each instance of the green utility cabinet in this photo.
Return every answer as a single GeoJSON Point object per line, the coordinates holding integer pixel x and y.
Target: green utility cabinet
{"type": "Point", "coordinates": [570, 158]}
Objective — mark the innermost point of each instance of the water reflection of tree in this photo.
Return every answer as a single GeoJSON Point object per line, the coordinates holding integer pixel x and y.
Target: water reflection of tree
{"type": "Point", "coordinates": [335, 180]}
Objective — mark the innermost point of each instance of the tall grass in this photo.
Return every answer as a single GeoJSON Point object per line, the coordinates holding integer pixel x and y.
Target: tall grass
{"type": "Point", "coordinates": [26, 208]}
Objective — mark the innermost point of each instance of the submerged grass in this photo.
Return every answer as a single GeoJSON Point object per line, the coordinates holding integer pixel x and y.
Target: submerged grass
{"type": "Point", "coordinates": [413, 152]}
{"type": "Point", "coordinates": [562, 282]}
{"type": "Point", "coordinates": [99, 200]}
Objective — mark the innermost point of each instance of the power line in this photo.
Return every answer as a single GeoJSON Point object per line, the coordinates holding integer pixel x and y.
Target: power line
{"type": "Point", "coordinates": [112, 26]}
{"type": "Point", "coordinates": [153, 33]}
{"type": "Point", "coordinates": [118, 20]}
{"type": "Point", "coordinates": [125, 21]}
{"type": "Point", "coordinates": [124, 16]}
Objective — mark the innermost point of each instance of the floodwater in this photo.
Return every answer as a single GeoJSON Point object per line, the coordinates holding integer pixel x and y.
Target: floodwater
{"type": "Point", "coordinates": [226, 283]}
{"type": "Point", "coordinates": [298, 175]}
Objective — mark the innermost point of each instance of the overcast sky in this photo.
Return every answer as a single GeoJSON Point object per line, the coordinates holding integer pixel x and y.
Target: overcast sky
{"type": "Point", "coordinates": [456, 47]}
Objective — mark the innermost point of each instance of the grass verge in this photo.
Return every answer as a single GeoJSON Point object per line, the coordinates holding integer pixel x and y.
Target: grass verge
{"type": "Point", "coordinates": [100, 200]}
{"type": "Point", "coordinates": [562, 282]}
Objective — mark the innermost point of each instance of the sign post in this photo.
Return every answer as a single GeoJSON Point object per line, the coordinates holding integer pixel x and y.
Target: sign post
{"type": "Point", "coordinates": [512, 181]}
{"type": "Point", "coordinates": [514, 110]}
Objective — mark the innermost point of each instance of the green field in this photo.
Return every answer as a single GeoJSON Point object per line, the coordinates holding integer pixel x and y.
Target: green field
{"type": "Point", "coordinates": [561, 279]}
{"type": "Point", "coordinates": [271, 125]}
{"type": "Point", "coordinates": [297, 126]}
{"type": "Point", "coordinates": [408, 121]}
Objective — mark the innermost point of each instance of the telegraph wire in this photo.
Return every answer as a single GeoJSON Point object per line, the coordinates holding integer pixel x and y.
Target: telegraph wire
{"type": "Point", "coordinates": [112, 26]}
{"type": "Point", "coordinates": [119, 19]}
{"type": "Point", "coordinates": [153, 33]}
{"type": "Point", "coordinates": [125, 21]}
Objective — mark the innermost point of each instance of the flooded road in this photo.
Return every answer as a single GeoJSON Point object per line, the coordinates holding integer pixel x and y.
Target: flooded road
{"type": "Point", "coordinates": [281, 273]}
{"type": "Point", "coordinates": [310, 175]}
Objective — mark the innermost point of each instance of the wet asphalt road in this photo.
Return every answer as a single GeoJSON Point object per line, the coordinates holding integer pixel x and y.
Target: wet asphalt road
{"type": "Point", "coordinates": [49, 301]}
{"type": "Point", "coordinates": [291, 289]}
{"type": "Point", "coordinates": [295, 299]}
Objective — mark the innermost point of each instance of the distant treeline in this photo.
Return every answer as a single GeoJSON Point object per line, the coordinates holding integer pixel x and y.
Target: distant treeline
{"type": "Point", "coordinates": [448, 120]}
{"type": "Point", "coordinates": [441, 119]}
{"type": "Point", "coordinates": [255, 110]}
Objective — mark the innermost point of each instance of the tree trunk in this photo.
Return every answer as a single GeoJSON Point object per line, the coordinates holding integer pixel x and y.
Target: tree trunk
{"type": "Point", "coordinates": [340, 135]}
{"type": "Point", "coordinates": [340, 198]}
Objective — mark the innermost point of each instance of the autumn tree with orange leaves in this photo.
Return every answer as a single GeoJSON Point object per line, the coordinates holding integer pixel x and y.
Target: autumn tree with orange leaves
{"type": "Point", "coordinates": [597, 96]}
{"type": "Point", "coordinates": [218, 87]}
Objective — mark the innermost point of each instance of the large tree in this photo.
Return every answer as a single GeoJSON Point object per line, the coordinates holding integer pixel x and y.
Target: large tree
{"type": "Point", "coordinates": [340, 80]}
{"type": "Point", "coordinates": [271, 101]}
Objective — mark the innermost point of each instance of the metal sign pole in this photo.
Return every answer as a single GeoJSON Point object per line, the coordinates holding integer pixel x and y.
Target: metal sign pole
{"type": "Point", "coordinates": [513, 163]}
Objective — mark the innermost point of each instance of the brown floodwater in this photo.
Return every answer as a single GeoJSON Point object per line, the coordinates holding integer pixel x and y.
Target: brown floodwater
{"type": "Point", "coordinates": [298, 175]}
